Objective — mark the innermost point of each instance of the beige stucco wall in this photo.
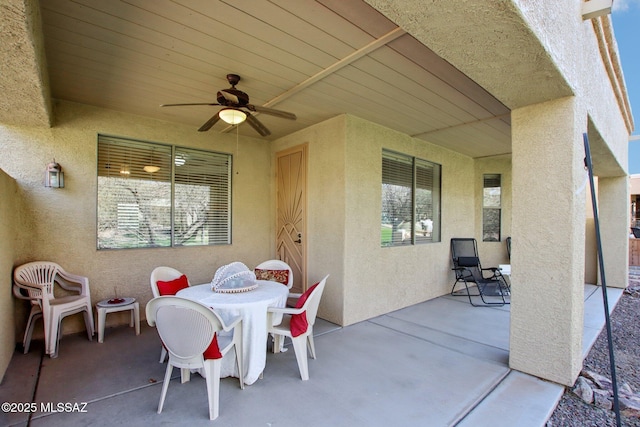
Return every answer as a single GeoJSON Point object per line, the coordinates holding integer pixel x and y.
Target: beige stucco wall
{"type": "Point", "coordinates": [61, 223]}
{"type": "Point", "coordinates": [344, 197]}
{"type": "Point", "coordinates": [325, 209]}
{"type": "Point", "coordinates": [380, 280]}
{"type": "Point", "coordinates": [548, 261]}
{"type": "Point", "coordinates": [10, 206]}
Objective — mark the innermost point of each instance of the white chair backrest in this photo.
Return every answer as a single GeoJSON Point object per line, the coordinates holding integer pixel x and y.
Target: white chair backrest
{"type": "Point", "coordinates": [173, 316]}
{"type": "Point", "coordinates": [163, 274]}
{"type": "Point", "coordinates": [276, 264]}
{"type": "Point", "coordinates": [38, 273]}
{"type": "Point", "coordinates": [313, 302]}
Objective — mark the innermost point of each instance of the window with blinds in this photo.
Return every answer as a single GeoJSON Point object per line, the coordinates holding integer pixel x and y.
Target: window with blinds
{"type": "Point", "coordinates": [491, 207]}
{"type": "Point", "coordinates": [410, 200]}
{"type": "Point", "coordinates": [156, 195]}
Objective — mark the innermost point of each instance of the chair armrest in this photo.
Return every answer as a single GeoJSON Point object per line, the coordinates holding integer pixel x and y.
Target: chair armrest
{"type": "Point", "coordinates": [495, 270]}
{"type": "Point", "coordinates": [462, 273]}
{"type": "Point", "coordinates": [286, 310]}
{"type": "Point", "coordinates": [35, 291]}
{"type": "Point", "coordinates": [69, 279]}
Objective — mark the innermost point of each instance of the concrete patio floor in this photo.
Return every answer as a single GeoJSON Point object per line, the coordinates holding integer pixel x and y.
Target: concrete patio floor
{"type": "Point", "coordinates": [438, 363]}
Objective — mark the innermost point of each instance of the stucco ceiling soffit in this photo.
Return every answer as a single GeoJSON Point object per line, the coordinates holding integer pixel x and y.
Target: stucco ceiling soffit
{"type": "Point", "coordinates": [490, 42]}
{"type": "Point", "coordinates": [605, 162]}
{"type": "Point", "coordinates": [24, 82]}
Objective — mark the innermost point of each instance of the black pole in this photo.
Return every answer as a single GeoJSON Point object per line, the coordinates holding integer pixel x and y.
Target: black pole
{"type": "Point", "coordinates": [614, 383]}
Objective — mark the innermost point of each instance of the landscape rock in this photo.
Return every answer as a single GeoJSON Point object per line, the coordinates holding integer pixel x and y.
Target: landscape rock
{"type": "Point", "coordinates": [583, 389]}
{"type": "Point", "coordinates": [572, 411]}
{"type": "Point", "coordinates": [601, 381]}
{"type": "Point", "coordinates": [602, 399]}
{"type": "Point", "coordinates": [630, 406]}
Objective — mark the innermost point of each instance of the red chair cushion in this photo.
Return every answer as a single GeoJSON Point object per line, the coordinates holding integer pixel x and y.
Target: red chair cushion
{"type": "Point", "coordinates": [213, 351]}
{"type": "Point", "coordinates": [280, 276]}
{"type": "Point", "coordinates": [299, 322]}
{"type": "Point", "coordinates": [172, 287]}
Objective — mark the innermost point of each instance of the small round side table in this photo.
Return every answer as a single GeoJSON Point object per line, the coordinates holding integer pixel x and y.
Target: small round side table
{"type": "Point", "coordinates": [113, 305]}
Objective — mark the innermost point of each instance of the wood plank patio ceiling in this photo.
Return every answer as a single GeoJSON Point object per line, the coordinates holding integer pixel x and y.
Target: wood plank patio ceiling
{"type": "Point", "coordinates": [317, 59]}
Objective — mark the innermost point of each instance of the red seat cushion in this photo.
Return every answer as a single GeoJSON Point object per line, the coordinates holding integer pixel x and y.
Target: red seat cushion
{"type": "Point", "coordinates": [213, 351]}
{"type": "Point", "coordinates": [171, 287]}
{"type": "Point", "coordinates": [299, 322]}
{"type": "Point", "coordinates": [280, 276]}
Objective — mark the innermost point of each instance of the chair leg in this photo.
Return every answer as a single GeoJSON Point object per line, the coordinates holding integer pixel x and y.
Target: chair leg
{"type": "Point", "coordinates": [163, 355]}
{"type": "Point", "coordinates": [237, 338]}
{"type": "Point", "coordinates": [88, 323]}
{"type": "Point", "coordinates": [311, 345]}
{"type": "Point", "coordinates": [300, 347]}
{"type": "Point", "coordinates": [278, 342]}
{"type": "Point", "coordinates": [212, 372]}
{"type": "Point", "coordinates": [281, 347]}
{"type": "Point", "coordinates": [33, 316]}
{"type": "Point", "coordinates": [165, 385]}
{"type": "Point", "coordinates": [52, 330]}
{"type": "Point", "coordinates": [185, 375]}
{"type": "Point", "coordinates": [55, 338]}
{"type": "Point", "coordinates": [102, 317]}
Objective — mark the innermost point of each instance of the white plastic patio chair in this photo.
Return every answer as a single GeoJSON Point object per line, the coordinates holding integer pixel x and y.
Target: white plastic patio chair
{"type": "Point", "coordinates": [307, 308]}
{"type": "Point", "coordinates": [35, 281]}
{"type": "Point", "coordinates": [163, 274]}
{"type": "Point", "coordinates": [188, 329]}
{"type": "Point", "coordinates": [269, 271]}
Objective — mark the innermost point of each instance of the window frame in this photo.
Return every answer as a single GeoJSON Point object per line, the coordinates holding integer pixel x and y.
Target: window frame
{"type": "Point", "coordinates": [491, 209]}
{"type": "Point", "coordinates": [419, 179]}
{"type": "Point", "coordinates": [161, 205]}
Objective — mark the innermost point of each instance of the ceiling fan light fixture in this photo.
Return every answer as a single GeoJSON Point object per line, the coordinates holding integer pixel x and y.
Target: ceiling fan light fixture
{"type": "Point", "coordinates": [232, 116]}
{"type": "Point", "coordinates": [151, 169]}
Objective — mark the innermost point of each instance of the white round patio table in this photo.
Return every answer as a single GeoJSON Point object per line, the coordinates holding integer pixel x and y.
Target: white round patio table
{"type": "Point", "coordinates": [252, 306]}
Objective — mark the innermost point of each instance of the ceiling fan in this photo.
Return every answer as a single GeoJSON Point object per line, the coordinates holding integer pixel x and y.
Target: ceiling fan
{"type": "Point", "coordinates": [236, 104]}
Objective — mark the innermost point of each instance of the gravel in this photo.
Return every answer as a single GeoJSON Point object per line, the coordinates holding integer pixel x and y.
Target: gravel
{"type": "Point", "coordinates": [625, 329]}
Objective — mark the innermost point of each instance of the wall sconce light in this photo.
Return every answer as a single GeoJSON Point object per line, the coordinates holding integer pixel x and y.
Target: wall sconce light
{"type": "Point", "coordinates": [53, 175]}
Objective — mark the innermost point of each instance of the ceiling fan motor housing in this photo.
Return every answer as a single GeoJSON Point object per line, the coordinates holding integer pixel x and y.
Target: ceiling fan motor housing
{"type": "Point", "coordinates": [232, 98]}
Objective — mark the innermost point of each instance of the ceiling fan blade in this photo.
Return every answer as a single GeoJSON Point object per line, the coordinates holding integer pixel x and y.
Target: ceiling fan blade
{"type": "Point", "coordinates": [212, 121]}
{"type": "Point", "coordinates": [272, 112]}
{"type": "Point", "coordinates": [257, 125]}
{"type": "Point", "coordinates": [192, 103]}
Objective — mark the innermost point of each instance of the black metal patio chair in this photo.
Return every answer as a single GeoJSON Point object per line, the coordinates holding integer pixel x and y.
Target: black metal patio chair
{"type": "Point", "coordinates": [488, 283]}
